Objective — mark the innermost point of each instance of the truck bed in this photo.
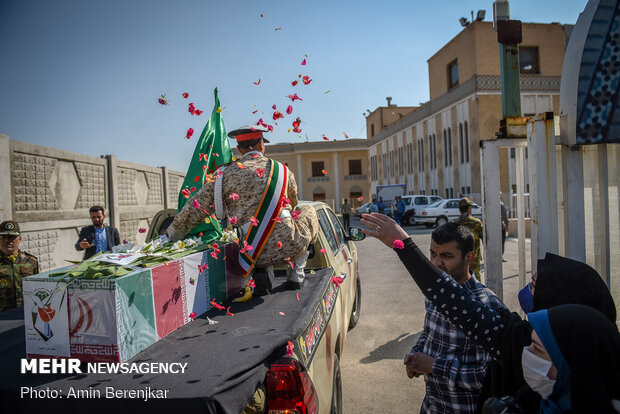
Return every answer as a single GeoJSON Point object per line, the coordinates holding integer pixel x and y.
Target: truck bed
{"type": "Point", "coordinates": [225, 361]}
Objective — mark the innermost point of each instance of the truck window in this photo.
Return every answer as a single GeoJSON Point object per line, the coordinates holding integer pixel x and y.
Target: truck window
{"type": "Point", "coordinates": [328, 230]}
{"type": "Point", "coordinates": [338, 227]}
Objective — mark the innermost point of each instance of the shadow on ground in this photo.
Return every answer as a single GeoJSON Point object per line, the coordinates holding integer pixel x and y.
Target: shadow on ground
{"type": "Point", "coordinates": [397, 348]}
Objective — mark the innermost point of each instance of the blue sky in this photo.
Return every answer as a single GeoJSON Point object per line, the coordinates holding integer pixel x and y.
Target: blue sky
{"type": "Point", "coordinates": [84, 76]}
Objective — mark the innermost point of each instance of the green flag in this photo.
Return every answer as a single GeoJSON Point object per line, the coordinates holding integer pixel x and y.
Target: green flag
{"type": "Point", "coordinates": [212, 151]}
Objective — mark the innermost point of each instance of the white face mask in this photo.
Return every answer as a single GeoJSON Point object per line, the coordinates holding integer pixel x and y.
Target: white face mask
{"type": "Point", "coordinates": [535, 370]}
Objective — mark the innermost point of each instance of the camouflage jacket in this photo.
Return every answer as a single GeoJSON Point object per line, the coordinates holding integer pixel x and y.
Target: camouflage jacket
{"type": "Point", "coordinates": [294, 235]}
{"type": "Point", "coordinates": [475, 225]}
{"type": "Point", "coordinates": [11, 275]}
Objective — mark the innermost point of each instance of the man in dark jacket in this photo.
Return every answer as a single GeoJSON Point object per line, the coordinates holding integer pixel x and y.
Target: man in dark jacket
{"type": "Point", "coordinates": [98, 237]}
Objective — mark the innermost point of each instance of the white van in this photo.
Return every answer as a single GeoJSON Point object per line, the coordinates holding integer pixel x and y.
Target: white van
{"type": "Point", "coordinates": [416, 201]}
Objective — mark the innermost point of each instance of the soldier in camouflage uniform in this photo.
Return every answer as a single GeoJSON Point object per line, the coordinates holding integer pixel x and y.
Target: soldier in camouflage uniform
{"type": "Point", "coordinates": [14, 265]}
{"type": "Point", "coordinates": [243, 186]}
{"type": "Point", "coordinates": [475, 225]}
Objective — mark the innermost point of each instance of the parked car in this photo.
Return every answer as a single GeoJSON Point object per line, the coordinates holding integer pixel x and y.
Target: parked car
{"type": "Point", "coordinates": [363, 209]}
{"type": "Point", "coordinates": [442, 211]}
{"type": "Point", "coordinates": [416, 202]}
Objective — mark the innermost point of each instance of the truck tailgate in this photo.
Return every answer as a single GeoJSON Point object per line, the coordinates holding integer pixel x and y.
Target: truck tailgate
{"type": "Point", "coordinates": [225, 361]}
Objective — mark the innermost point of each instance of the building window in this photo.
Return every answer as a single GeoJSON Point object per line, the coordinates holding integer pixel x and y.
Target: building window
{"type": "Point", "coordinates": [433, 150]}
{"type": "Point", "coordinates": [318, 196]}
{"type": "Point", "coordinates": [528, 59]}
{"type": "Point", "coordinates": [450, 146]}
{"type": "Point", "coordinates": [355, 167]}
{"type": "Point", "coordinates": [421, 155]}
{"type": "Point", "coordinates": [384, 166]}
{"type": "Point", "coordinates": [512, 153]}
{"type": "Point", "coordinates": [466, 142]}
{"type": "Point", "coordinates": [317, 168]}
{"type": "Point", "coordinates": [372, 130]}
{"type": "Point", "coordinates": [392, 163]}
{"type": "Point", "coordinates": [401, 163]}
{"type": "Point", "coordinates": [461, 149]}
{"type": "Point", "coordinates": [445, 148]}
{"type": "Point", "coordinates": [453, 74]}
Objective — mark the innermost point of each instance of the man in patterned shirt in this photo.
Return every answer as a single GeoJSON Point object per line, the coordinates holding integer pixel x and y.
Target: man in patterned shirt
{"type": "Point", "coordinates": [452, 366]}
{"type": "Point", "coordinates": [243, 190]}
{"type": "Point", "coordinates": [14, 265]}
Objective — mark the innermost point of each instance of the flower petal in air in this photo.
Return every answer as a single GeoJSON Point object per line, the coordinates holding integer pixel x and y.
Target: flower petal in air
{"type": "Point", "coordinates": [254, 221]}
{"type": "Point", "coordinates": [289, 109]}
{"type": "Point", "coordinates": [294, 83]}
{"type": "Point", "coordinates": [185, 95]}
{"type": "Point", "coordinates": [190, 132]}
{"type": "Point", "coordinates": [324, 137]}
{"type": "Point", "coordinates": [198, 112]}
{"type": "Point", "coordinates": [257, 83]}
{"type": "Point", "coordinates": [398, 244]}
{"type": "Point", "coordinates": [303, 62]}
{"type": "Point", "coordinates": [234, 196]}
{"type": "Point", "coordinates": [306, 80]}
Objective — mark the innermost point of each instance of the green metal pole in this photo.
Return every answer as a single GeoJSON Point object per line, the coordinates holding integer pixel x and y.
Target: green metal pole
{"type": "Point", "coordinates": [511, 90]}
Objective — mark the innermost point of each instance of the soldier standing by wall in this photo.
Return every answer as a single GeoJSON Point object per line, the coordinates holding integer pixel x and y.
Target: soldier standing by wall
{"type": "Point", "coordinates": [15, 264]}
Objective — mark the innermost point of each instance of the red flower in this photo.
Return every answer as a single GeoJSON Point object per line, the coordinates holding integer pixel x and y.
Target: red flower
{"type": "Point", "coordinates": [306, 80]}
{"type": "Point", "coordinates": [141, 230]}
{"type": "Point", "coordinates": [190, 132]}
{"type": "Point", "coordinates": [191, 108]}
{"type": "Point", "coordinates": [277, 115]}
{"type": "Point", "coordinates": [294, 97]}
{"type": "Point", "coordinates": [273, 107]}
{"type": "Point", "coordinates": [186, 193]}
{"type": "Point", "coordinates": [257, 83]}
{"type": "Point", "coordinates": [185, 95]}
{"type": "Point", "coordinates": [325, 138]}
{"type": "Point", "coordinates": [294, 83]}
{"type": "Point", "coordinates": [192, 315]}
{"type": "Point", "coordinates": [216, 305]}
{"type": "Point", "coordinates": [303, 62]}
{"type": "Point", "coordinates": [289, 109]}
{"type": "Point", "coordinates": [337, 280]}
{"type": "Point", "coordinates": [198, 112]}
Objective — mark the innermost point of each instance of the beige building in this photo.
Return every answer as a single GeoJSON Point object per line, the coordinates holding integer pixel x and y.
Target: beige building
{"type": "Point", "coordinates": [434, 148]}
{"type": "Point", "coordinates": [329, 170]}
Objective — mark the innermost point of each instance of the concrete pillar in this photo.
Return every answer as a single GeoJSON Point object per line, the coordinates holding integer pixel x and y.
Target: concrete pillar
{"type": "Point", "coordinates": [336, 176]}
{"type": "Point", "coordinates": [491, 217]}
{"type": "Point", "coordinates": [113, 208]}
{"type": "Point", "coordinates": [6, 189]}
{"type": "Point", "coordinates": [300, 178]}
{"type": "Point", "coordinates": [165, 186]}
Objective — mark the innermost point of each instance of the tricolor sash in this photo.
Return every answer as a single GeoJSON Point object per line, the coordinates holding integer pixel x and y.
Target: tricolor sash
{"type": "Point", "coordinates": [268, 210]}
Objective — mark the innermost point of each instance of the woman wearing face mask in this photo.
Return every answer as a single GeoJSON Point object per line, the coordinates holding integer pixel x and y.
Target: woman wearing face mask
{"type": "Point", "coordinates": [558, 281]}
{"type": "Point", "coordinates": [501, 333]}
{"type": "Point", "coordinates": [573, 361]}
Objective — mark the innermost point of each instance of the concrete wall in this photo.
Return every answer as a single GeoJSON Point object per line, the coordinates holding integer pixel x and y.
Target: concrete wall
{"type": "Point", "coordinates": [49, 191]}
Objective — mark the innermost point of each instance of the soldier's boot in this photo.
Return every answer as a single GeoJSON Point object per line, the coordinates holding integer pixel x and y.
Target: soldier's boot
{"type": "Point", "coordinates": [296, 275]}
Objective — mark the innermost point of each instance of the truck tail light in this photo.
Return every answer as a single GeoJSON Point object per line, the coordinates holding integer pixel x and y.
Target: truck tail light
{"type": "Point", "coordinates": [290, 389]}
{"type": "Point", "coordinates": [425, 213]}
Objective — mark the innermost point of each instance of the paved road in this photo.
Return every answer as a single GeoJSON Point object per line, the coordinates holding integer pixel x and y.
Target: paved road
{"type": "Point", "coordinates": [392, 316]}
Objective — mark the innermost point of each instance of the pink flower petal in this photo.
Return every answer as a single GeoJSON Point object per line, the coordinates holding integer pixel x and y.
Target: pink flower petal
{"type": "Point", "coordinates": [398, 244]}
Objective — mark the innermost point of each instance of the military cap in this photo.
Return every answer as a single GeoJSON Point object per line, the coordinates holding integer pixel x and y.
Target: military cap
{"type": "Point", "coordinates": [249, 133]}
{"type": "Point", "coordinates": [9, 228]}
{"type": "Point", "coordinates": [465, 202]}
